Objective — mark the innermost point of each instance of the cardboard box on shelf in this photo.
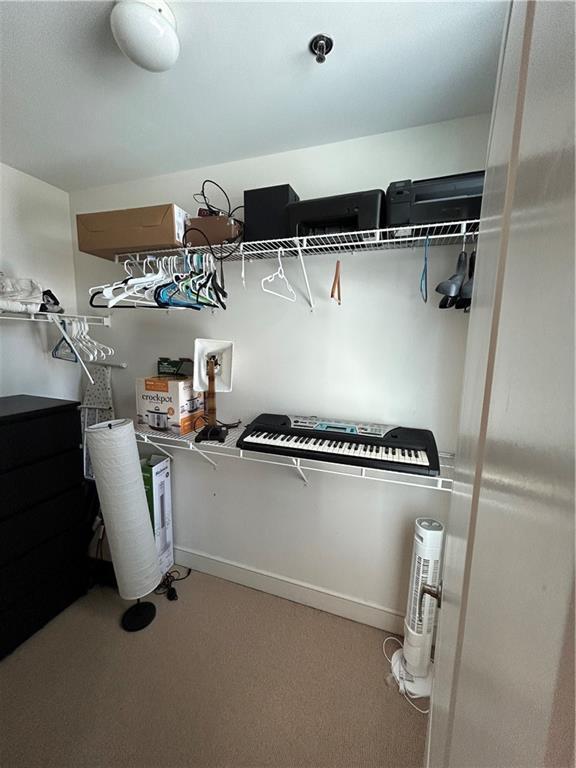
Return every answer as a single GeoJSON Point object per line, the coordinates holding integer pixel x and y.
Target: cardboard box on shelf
{"type": "Point", "coordinates": [130, 230]}
{"type": "Point", "coordinates": [216, 229]}
{"type": "Point", "coordinates": [168, 403]}
{"type": "Point", "coordinates": [157, 484]}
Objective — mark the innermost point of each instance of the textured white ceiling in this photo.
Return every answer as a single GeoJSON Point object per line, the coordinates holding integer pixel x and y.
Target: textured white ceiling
{"type": "Point", "coordinates": [77, 114]}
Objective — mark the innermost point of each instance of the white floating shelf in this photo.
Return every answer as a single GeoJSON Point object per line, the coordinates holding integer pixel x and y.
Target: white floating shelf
{"type": "Point", "coordinates": [209, 450]}
{"type": "Point", "coordinates": [446, 233]}
{"type": "Point", "coordinates": [45, 317]}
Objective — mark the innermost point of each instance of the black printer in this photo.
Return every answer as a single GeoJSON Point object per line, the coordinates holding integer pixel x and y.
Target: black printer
{"type": "Point", "coordinates": [340, 213]}
{"type": "Point", "coordinates": [428, 201]}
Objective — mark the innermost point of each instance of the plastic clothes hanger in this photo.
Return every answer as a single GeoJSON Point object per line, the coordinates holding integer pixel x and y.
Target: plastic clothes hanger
{"type": "Point", "coordinates": [424, 275]}
{"type": "Point", "coordinates": [102, 350]}
{"type": "Point", "coordinates": [61, 325]}
{"type": "Point", "coordinates": [281, 276]}
{"type": "Point", "coordinates": [187, 291]}
{"type": "Point", "coordinates": [128, 267]}
{"type": "Point", "coordinates": [74, 332]}
{"type": "Point", "coordinates": [134, 287]}
{"type": "Point", "coordinates": [170, 295]}
{"type": "Point", "coordinates": [210, 290]}
{"type": "Point", "coordinates": [129, 285]}
{"type": "Point", "coordinates": [63, 351]}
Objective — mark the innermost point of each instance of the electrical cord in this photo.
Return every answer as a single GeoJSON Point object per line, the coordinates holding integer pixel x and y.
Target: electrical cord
{"type": "Point", "coordinates": [402, 686]}
{"type": "Point", "coordinates": [166, 586]}
{"type": "Point", "coordinates": [230, 426]}
{"type": "Point", "coordinates": [237, 239]}
{"type": "Point", "coordinates": [390, 637]}
{"type": "Point", "coordinates": [202, 416]}
{"type": "Point", "coordinates": [215, 211]}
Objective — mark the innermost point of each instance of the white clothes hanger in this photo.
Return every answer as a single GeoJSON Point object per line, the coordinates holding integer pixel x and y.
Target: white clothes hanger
{"type": "Point", "coordinates": [60, 324]}
{"type": "Point", "coordinates": [74, 331]}
{"type": "Point", "coordinates": [281, 276]}
{"type": "Point", "coordinates": [101, 350]}
{"type": "Point", "coordinates": [135, 284]}
{"type": "Point", "coordinates": [129, 267]}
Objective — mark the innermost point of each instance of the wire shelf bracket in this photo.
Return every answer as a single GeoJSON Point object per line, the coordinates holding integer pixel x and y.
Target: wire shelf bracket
{"type": "Point", "coordinates": [299, 470]}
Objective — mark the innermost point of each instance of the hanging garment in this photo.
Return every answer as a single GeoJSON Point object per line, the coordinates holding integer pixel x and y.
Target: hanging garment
{"type": "Point", "coordinates": [96, 406]}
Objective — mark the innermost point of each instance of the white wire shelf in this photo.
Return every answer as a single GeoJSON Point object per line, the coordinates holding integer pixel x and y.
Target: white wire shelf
{"type": "Point", "coordinates": [45, 317]}
{"type": "Point", "coordinates": [446, 233]}
{"type": "Point", "coordinates": [208, 450]}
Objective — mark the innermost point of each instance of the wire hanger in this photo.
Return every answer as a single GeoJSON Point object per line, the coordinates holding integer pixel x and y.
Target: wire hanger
{"type": "Point", "coordinates": [281, 276]}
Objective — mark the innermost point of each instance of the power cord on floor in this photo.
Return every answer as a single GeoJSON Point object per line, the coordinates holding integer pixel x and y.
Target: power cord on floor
{"type": "Point", "coordinates": [166, 586]}
{"type": "Point", "coordinates": [390, 637]}
{"type": "Point", "coordinates": [401, 682]}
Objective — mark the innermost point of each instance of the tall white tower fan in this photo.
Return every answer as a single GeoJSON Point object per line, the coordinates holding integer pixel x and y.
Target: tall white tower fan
{"type": "Point", "coordinates": [411, 664]}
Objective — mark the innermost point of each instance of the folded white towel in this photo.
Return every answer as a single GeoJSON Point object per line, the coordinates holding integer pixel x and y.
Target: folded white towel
{"type": "Point", "coordinates": [20, 289]}
{"type": "Point", "coordinates": [10, 305]}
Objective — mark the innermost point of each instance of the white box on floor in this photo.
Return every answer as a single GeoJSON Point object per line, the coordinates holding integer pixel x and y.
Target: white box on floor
{"type": "Point", "coordinates": [156, 472]}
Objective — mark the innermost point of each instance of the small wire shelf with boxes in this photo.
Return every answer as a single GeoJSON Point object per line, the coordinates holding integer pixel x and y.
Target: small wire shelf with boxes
{"type": "Point", "coordinates": [413, 236]}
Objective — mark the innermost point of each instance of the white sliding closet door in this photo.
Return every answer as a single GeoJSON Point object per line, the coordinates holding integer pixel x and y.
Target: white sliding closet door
{"type": "Point", "coordinates": [504, 689]}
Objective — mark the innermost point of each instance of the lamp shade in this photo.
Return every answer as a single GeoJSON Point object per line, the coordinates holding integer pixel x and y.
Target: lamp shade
{"type": "Point", "coordinates": [118, 475]}
{"type": "Point", "coordinates": [146, 34]}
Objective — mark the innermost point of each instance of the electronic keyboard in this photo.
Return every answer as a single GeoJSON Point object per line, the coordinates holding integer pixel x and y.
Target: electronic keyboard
{"type": "Point", "coordinates": [378, 446]}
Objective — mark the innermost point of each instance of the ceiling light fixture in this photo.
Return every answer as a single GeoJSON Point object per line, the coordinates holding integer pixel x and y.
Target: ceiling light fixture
{"type": "Point", "coordinates": [145, 31]}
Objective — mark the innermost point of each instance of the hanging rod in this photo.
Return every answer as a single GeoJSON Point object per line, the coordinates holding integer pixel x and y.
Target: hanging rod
{"type": "Point", "coordinates": [44, 317]}
{"type": "Point", "coordinates": [109, 365]}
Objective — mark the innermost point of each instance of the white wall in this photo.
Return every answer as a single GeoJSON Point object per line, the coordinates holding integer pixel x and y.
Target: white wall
{"type": "Point", "coordinates": [35, 241]}
{"type": "Point", "coordinates": [342, 544]}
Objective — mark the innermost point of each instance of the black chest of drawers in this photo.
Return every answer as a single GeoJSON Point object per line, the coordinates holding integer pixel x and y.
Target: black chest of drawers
{"type": "Point", "coordinates": [45, 520]}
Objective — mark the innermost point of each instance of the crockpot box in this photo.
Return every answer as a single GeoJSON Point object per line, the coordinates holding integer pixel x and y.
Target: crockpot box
{"type": "Point", "coordinates": [168, 404]}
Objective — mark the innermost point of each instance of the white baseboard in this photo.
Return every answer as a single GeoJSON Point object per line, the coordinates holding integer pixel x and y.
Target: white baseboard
{"type": "Point", "coordinates": [299, 592]}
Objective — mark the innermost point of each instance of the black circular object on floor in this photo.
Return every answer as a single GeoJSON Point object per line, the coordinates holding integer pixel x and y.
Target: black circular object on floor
{"type": "Point", "coordinates": [138, 616]}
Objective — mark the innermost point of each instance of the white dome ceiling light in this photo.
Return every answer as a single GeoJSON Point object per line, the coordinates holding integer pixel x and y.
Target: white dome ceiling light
{"type": "Point", "coordinates": [145, 31]}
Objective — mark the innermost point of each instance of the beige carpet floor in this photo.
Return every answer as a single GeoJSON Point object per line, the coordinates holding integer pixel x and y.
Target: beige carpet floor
{"type": "Point", "coordinates": [224, 677]}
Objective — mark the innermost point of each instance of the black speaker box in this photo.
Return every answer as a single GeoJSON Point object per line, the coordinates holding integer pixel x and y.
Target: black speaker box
{"type": "Point", "coordinates": [265, 216]}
